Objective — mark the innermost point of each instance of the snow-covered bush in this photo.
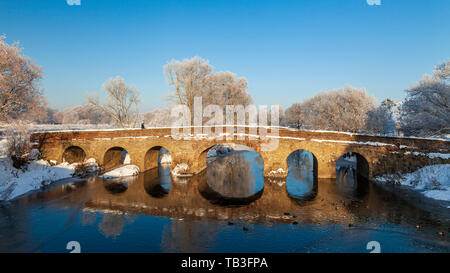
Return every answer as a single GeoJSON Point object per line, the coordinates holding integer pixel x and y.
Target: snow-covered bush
{"type": "Point", "coordinates": [18, 146]}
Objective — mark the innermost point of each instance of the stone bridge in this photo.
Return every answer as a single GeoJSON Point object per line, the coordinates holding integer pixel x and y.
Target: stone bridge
{"type": "Point", "coordinates": [376, 155]}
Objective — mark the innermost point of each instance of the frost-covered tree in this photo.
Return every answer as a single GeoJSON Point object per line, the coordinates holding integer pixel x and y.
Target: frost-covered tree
{"type": "Point", "coordinates": [121, 104]}
{"type": "Point", "coordinates": [20, 95]}
{"type": "Point", "coordinates": [82, 114]}
{"type": "Point", "coordinates": [188, 79]}
{"type": "Point", "coordinates": [344, 109]}
{"type": "Point", "coordinates": [49, 116]}
{"type": "Point", "coordinates": [381, 119]}
{"type": "Point", "coordinates": [426, 110]}
{"type": "Point", "coordinates": [293, 116]}
{"type": "Point", "coordinates": [194, 77]}
{"type": "Point", "coordinates": [158, 118]}
{"type": "Point", "coordinates": [18, 146]}
{"type": "Point", "coordinates": [224, 88]}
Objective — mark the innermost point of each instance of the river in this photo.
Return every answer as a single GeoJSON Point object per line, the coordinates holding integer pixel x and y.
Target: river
{"type": "Point", "coordinates": [230, 207]}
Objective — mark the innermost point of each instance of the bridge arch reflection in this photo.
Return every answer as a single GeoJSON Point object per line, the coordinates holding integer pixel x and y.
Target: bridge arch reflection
{"type": "Point", "coordinates": [234, 174]}
{"type": "Point", "coordinates": [157, 181]}
{"type": "Point", "coordinates": [116, 185]}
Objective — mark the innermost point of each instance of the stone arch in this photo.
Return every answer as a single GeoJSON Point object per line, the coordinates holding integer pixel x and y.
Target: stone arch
{"type": "Point", "coordinates": [315, 164]}
{"type": "Point", "coordinates": [362, 164]}
{"type": "Point", "coordinates": [151, 158]}
{"type": "Point", "coordinates": [301, 183]}
{"type": "Point", "coordinates": [73, 154]}
{"type": "Point", "coordinates": [114, 156]}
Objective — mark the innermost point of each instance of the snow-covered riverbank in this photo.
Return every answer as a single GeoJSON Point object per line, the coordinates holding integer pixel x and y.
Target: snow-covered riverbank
{"type": "Point", "coordinates": [432, 181]}
{"type": "Point", "coordinates": [35, 175]}
{"type": "Point", "coordinates": [14, 182]}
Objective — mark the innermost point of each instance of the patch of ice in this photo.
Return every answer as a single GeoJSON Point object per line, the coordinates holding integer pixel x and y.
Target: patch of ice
{"type": "Point", "coordinates": [438, 194]}
{"type": "Point", "coordinates": [128, 170]}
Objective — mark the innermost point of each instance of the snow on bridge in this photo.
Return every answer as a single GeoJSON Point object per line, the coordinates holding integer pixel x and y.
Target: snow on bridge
{"type": "Point", "coordinates": [376, 155]}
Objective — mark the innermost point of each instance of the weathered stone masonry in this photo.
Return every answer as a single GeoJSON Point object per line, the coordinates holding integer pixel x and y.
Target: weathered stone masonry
{"type": "Point", "coordinates": [378, 155]}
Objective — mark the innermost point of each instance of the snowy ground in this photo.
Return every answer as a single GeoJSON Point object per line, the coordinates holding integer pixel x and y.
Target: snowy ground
{"type": "Point", "coordinates": [36, 174]}
{"type": "Point", "coordinates": [432, 181]}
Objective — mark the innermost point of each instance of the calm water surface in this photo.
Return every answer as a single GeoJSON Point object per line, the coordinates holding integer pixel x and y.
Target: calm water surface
{"type": "Point", "coordinates": [208, 212]}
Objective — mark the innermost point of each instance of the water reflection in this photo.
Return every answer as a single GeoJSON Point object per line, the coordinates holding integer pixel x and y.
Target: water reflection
{"type": "Point", "coordinates": [113, 222]}
{"type": "Point", "coordinates": [157, 181]}
{"type": "Point", "coordinates": [116, 185]}
{"type": "Point", "coordinates": [138, 219]}
{"type": "Point", "coordinates": [191, 236]}
{"type": "Point", "coordinates": [234, 179]}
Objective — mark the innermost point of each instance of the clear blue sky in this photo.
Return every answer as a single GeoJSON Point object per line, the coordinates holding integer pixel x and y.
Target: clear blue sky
{"type": "Point", "coordinates": [287, 50]}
